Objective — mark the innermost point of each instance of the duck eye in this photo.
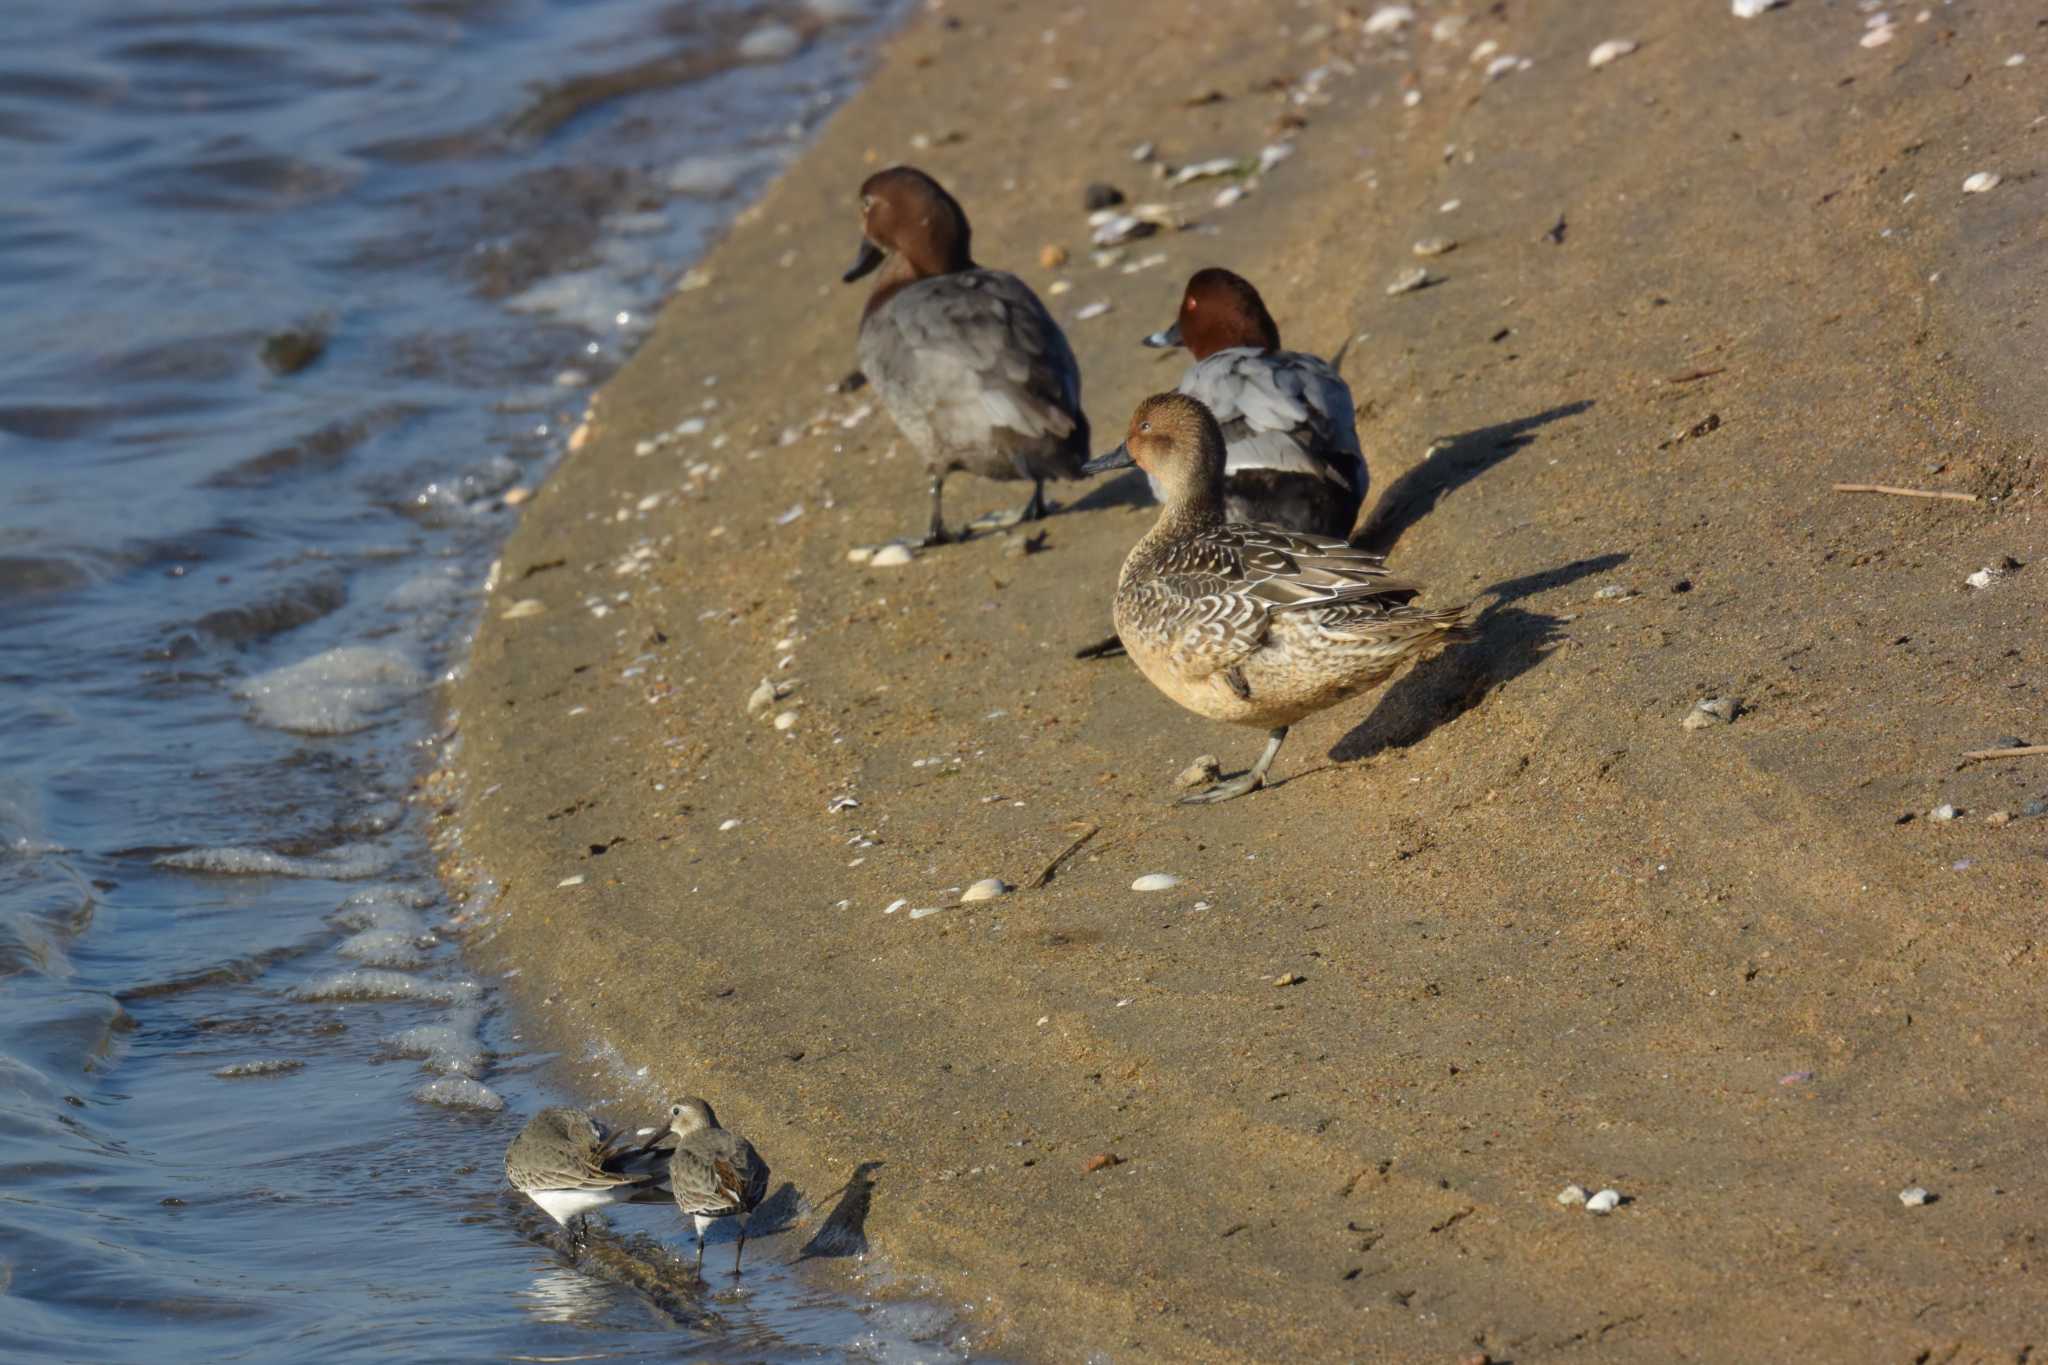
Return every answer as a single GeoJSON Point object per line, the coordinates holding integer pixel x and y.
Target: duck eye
{"type": "Point", "coordinates": [1144, 426]}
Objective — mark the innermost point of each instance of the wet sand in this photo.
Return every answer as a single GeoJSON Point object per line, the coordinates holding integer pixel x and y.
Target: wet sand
{"type": "Point", "coordinates": [1544, 934]}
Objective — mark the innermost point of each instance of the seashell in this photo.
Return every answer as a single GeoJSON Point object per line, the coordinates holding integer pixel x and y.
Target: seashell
{"type": "Point", "coordinates": [1156, 881]}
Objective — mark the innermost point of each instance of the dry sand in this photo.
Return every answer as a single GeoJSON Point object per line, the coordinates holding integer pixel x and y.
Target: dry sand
{"type": "Point", "coordinates": [1544, 934]}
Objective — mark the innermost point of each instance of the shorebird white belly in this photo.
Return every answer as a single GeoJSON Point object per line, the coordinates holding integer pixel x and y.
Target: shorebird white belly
{"type": "Point", "coordinates": [563, 1205]}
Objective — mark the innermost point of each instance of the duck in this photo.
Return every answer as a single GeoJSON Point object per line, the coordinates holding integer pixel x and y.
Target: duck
{"type": "Point", "coordinates": [1254, 625]}
{"type": "Point", "coordinates": [571, 1165]}
{"type": "Point", "coordinates": [968, 362]}
{"type": "Point", "coordinates": [1290, 433]}
{"type": "Point", "coordinates": [713, 1172]}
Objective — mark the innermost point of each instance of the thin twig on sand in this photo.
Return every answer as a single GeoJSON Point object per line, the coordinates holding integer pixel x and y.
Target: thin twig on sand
{"type": "Point", "coordinates": [1045, 873]}
{"type": "Point", "coordinates": [2020, 751]}
{"type": "Point", "coordinates": [1903, 492]}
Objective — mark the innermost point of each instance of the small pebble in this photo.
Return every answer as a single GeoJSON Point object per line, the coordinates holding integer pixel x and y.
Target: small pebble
{"type": "Point", "coordinates": [1571, 1194]}
{"type": "Point", "coordinates": [987, 889]}
{"type": "Point", "coordinates": [1612, 50]}
{"type": "Point", "coordinates": [1434, 246]}
{"type": "Point", "coordinates": [1607, 1201]}
{"type": "Point", "coordinates": [1614, 592]}
{"type": "Point", "coordinates": [1983, 578]}
{"type": "Point", "coordinates": [1289, 979]}
{"type": "Point", "coordinates": [1878, 37]}
{"type": "Point", "coordinates": [1199, 773]}
{"type": "Point", "coordinates": [1156, 881]}
{"type": "Point", "coordinates": [1914, 1197]}
{"type": "Point", "coordinates": [1712, 711]}
{"type": "Point", "coordinates": [1052, 256]}
{"type": "Point", "coordinates": [891, 556]}
{"type": "Point", "coordinates": [1101, 1161]}
{"type": "Point", "coordinates": [2016, 59]}
{"type": "Point", "coordinates": [1101, 195]}
{"type": "Point", "coordinates": [1998, 819]}
{"type": "Point", "coordinates": [1410, 280]}
{"type": "Point", "coordinates": [1942, 813]}
{"type": "Point", "coordinates": [519, 493]}
{"type": "Point", "coordinates": [525, 606]}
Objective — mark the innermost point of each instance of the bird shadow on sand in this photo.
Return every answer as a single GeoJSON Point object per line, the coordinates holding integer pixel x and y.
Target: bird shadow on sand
{"type": "Point", "coordinates": [1126, 490]}
{"type": "Point", "coordinates": [1452, 463]}
{"type": "Point", "coordinates": [845, 1229]}
{"type": "Point", "coordinates": [1508, 641]}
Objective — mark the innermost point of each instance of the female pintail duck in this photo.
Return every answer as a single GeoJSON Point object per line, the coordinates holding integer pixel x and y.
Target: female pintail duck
{"type": "Point", "coordinates": [1290, 435]}
{"type": "Point", "coordinates": [1251, 624]}
{"type": "Point", "coordinates": [974, 370]}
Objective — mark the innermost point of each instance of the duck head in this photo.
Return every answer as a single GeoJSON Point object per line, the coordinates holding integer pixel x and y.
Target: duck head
{"type": "Point", "coordinates": [1174, 439]}
{"type": "Point", "coordinates": [905, 211]}
{"type": "Point", "coordinates": [1219, 310]}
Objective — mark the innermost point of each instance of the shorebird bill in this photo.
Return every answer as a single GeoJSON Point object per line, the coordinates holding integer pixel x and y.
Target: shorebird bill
{"type": "Point", "coordinates": [1164, 340]}
{"type": "Point", "coordinates": [1120, 458]}
{"type": "Point", "coordinates": [870, 256]}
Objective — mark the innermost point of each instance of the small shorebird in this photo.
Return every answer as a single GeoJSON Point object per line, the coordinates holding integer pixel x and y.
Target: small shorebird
{"type": "Point", "coordinates": [972, 368]}
{"type": "Point", "coordinates": [713, 1173]}
{"type": "Point", "coordinates": [571, 1165]}
{"type": "Point", "coordinates": [1251, 624]}
{"type": "Point", "coordinates": [1290, 430]}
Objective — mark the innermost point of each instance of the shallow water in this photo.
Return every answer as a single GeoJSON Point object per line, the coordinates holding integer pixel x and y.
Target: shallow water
{"type": "Point", "coordinates": [251, 1105]}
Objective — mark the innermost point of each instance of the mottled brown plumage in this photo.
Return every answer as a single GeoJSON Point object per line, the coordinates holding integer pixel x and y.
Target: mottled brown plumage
{"type": "Point", "coordinates": [1255, 625]}
{"type": "Point", "coordinates": [570, 1164]}
{"type": "Point", "coordinates": [713, 1173]}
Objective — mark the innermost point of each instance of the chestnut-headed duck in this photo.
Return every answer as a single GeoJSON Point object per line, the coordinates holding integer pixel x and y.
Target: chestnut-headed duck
{"type": "Point", "coordinates": [1290, 430]}
{"type": "Point", "coordinates": [974, 370]}
{"type": "Point", "coordinates": [1250, 624]}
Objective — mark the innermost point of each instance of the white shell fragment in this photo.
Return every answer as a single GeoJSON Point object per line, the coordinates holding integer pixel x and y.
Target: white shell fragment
{"type": "Point", "coordinates": [924, 910]}
{"type": "Point", "coordinates": [1750, 9]}
{"type": "Point", "coordinates": [1942, 813]}
{"type": "Point", "coordinates": [786, 720]}
{"type": "Point", "coordinates": [1091, 310]}
{"type": "Point", "coordinates": [1409, 280]}
{"type": "Point", "coordinates": [1607, 1201]}
{"type": "Point", "coordinates": [1571, 1195]}
{"type": "Point", "coordinates": [1914, 1197]}
{"type": "Point", "coordinates": [894, 555]}
{"type": "Point", "coordinates": [761, 698]}
{"type": "Point", "coordinates": [1203, 170]}
{"type": "Point", "coordinates": [987, 889]}
{"type": "Point", "coordinates": [1156, 881]}
{"type": "Point", "coordinates": [1121, 227]}
{"type": "Point", "coordinates": [1390, 18]}
{"type": "Point", "coordinates": [1434, 246]}
{"type": "Point", "coordinates": [525, 606]}
{"type": "Point", "coordinates": [1986, 576]}
{"type": "Point", "coordinates": [893, 906]}
{"type": "Point", "coordinates": [1612, 50]}
{"type": "Point", "coordinates": [576, 880]}
{"type": "Point", "coordinates": [1199, 773]}
{"type": "Point", "coordinates": [1983, 182]}
{"type": "Point", "coordinates": [1711, 711]}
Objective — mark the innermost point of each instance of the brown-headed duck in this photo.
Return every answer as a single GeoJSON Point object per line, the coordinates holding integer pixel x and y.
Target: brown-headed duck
{"type": "Point", "coordinates": [974, 370]}
{"type": "Point", "coordinates": [1254, 625]}
{"type": "Point", "coordinates": [1290, 430]}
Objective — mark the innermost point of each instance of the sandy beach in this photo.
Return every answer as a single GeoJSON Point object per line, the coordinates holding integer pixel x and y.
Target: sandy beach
{"type": "Point", "coordinates": [1535, 930]}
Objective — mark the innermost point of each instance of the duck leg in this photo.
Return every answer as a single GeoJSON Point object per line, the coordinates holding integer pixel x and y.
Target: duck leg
{"type": "Point", "coordinates": [1035, 508]}
{"type": "Point", "coordinates": [935, 534]}
{"type": "Point", "coordinates": [1247, 782]}
{"type": "Point", "coordinates": [1105, 648]}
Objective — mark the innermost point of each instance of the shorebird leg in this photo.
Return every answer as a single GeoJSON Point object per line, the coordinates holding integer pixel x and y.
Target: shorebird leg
{"type": "Point", "coordinates": [1248, 782]}
{"type": "Point", "coordinates": [701, 1223]}
{"type": "Point", "coordinates": [742, 1249]}
{"type": "Point", "coordinates": [935, 534]}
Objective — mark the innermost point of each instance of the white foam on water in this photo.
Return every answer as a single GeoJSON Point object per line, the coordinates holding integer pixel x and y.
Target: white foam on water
{"type": "Point", "coordinates": [460, 1092]}
{"type": "Point", "coordinates": [274, 1066]}
{"type": "Point", "coordinates": [384, 948]}
{"type": "Point", "coordinates": [370, 983]}
{"type": "Point", "coordinates": [453, 1048]}
{"type": "Point", "coordinates": [346, 862]}
{"type": "Point", "coordinates": [336, 693]}
{"type": "Point", "coordinates": [436, 592]}
{"type": "Point", "coordinates": [591, 299]}
{"type": "Point", "coordinates": [717, 174]}
{"type": "Point", "coordinates": [770, 42]}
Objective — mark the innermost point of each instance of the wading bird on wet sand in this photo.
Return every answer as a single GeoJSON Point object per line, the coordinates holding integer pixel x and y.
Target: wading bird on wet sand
{"type": "Point", "coordinates": [571, 1165]}
{"type": "Point", "coordinates": [713, 1172]}
{"type": "Point", "coordinates": [1252, 624]}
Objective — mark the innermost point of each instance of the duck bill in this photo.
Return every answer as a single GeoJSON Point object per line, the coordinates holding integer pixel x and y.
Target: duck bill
{"type": "Point", "coordinates": [1164, 340]}
{"type": "Point", "coordinates": [870, 257]}
{"type": "Point", "coordinates": [1120, 458]}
